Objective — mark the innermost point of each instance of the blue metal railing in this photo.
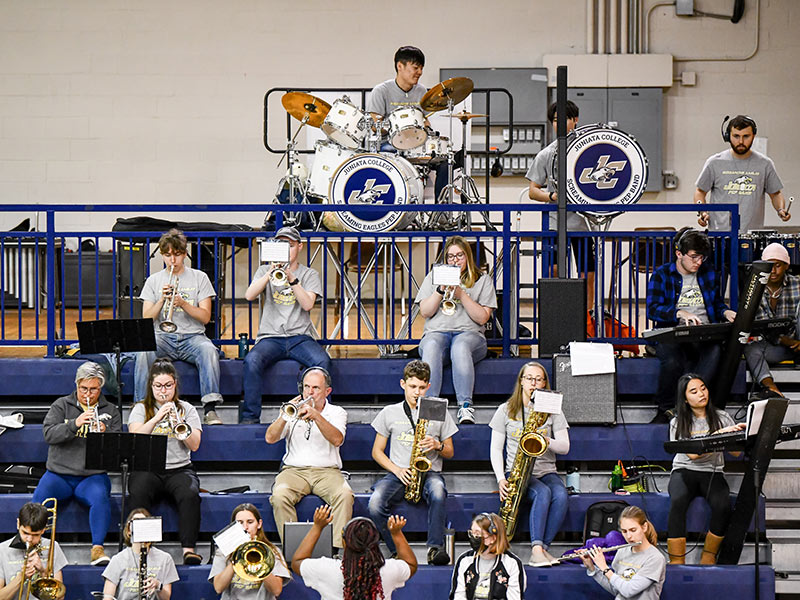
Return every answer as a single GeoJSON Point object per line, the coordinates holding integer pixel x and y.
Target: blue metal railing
{"type": "Point", "coordinates": [370, 277]}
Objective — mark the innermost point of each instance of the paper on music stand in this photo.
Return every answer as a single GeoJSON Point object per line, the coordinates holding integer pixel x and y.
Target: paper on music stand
{"type": "Point", "coordinates": [590, 358]}
{"type": "Point", "coordinates": [274, 251]}
{"type": "Point", "coordinates": [446, 275]}
{"type": "Point", "coordinates": [146, 529]}
{"type": "Point", "coordinates": [755, 412]}
{"type": "Point", "coordinates": [230, 538]}
{"type": "Point", "coordinates": [547, 401]}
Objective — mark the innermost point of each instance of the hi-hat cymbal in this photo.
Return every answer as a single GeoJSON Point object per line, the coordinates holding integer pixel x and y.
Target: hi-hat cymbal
{"type": "Point", "coordinates": [455, 88]}
{"type": "Point", "coordinates": [300, 105]}
{"type": "Point", "coordinates": [464, 116]}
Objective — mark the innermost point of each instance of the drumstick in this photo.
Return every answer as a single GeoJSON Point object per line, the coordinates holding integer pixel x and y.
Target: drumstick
{"type": "Point", "coordinates": [789, 206]}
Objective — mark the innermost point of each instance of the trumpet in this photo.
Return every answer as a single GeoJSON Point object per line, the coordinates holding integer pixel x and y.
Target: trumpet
{"type": "Point", "coordinates": [180, 428]}
{"type": "Point", "coordinates": [579, 553]}
{"type": "Point", "coordinates": [46, 587]}
{"type": "Point", "coordinates": [290, 409]}
{"type": "Point", "coordinates": [278, 276]}
{"type": "Point", "coordinates": [448, 302]}
{"type": "Point", "coordinates": [94, 421]}
{"type": "Point", "coordinates": [167, 326]}
{"type": "Point", "coordinates": [253, 561]}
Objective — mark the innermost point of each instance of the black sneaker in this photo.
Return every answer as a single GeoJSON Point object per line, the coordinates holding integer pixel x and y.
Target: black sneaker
{"type": "Point", "coordinates": [438, 557]}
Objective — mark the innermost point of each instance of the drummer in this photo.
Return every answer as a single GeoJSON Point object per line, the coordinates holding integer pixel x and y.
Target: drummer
{"type": "Point", "coordinates": [403, 90]}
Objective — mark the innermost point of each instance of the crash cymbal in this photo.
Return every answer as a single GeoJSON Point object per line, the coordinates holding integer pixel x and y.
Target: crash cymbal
{"type": "Point", "coordinates": [456, 88]}
{"type": "Point", "coordinates": [464, 116]}
{"type": "Point", "coordinates": [300, 104]}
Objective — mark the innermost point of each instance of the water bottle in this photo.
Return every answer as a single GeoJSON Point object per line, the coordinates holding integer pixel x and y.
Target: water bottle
{"type": "Point", "coordinates": [243, 345]}
{"type": "Point", "coordinates": [450, 543]}
{"type": "Point", "coordinates": [573, 480]}
{"type": "Point", "coordinates": [616, 478]}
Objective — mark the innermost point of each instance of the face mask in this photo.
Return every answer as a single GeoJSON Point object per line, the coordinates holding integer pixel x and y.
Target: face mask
{"type": "Point", "coordinates": [474, 541]}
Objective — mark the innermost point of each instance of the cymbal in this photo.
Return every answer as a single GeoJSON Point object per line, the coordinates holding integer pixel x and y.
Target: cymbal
{"type": "Point", "coordinates": [455, 88]}
{"type": "Point", "coordinates": [300, 105]}
{"type": "Point", "coordinates": [464, 116]}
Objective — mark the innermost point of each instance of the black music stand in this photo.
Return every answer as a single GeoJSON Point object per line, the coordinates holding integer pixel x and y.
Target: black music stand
{"type": "Point", "coordinates": [124, 452]}
{"type": "Point", "coordinates": [117, 336]}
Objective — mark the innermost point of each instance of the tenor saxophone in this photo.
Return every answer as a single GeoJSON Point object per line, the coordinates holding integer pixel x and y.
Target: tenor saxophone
{"type": "Point", "coordinates": [531, 445]}
{"type": "Point", "coordinates": [419, 464]}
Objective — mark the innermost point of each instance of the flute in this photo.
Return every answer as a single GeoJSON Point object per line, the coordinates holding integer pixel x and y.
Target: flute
{"type": "Point", "coordinates": [579, 553]}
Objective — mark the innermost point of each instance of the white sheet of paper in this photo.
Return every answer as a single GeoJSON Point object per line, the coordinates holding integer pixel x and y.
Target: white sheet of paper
{"type": "Point", "coordinates": [547, 401]}
{"type": "Point", "coordinates": [590, 358]}
{"type": "Point", "coordinates": [755, 412]}
{"type": "Point", "coordinates": [446, 275]}
{"type": "Point", "coordinates": [147, 529]}
{"type": "Point", "coordinates": [274, 251]}
{"type": "Point", "coordinates": [230, 538]}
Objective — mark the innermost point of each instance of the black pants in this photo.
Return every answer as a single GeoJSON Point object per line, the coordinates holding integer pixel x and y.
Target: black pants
{"type": "Point", "coordinates": [685, 486]}
{"type": "Point", "coordinates": [181, 486]}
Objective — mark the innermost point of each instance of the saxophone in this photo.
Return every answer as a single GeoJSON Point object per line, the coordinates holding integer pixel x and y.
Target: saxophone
{"type": "Point", "coordinates": [419, 463]}
{"type": "Point", "coordinates": [531, 445]}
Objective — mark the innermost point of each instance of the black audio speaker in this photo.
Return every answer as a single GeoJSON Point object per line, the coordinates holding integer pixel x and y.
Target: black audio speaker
{"type": "Point", "coordinates": [562, 314]}
{"type": "Point", "coordinates": [131, 261]}
{"type": "Point", "coordinates": [588, 399]}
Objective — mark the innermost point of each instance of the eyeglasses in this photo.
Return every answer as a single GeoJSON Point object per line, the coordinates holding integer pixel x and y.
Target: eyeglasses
{"type": "Point", "coordinates": [696, 257]}
{"type": "Point", "coordinates": [164, 386]}
{"type": "Point", "coordinates": [457, 256]}
{"type": "Point", "coordinates": [537, 379]}
{"type": "Point", "coordinates": [88, 390]}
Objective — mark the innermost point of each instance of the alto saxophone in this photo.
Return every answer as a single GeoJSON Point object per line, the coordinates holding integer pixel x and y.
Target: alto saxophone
{"type": "Point", "coordinates": [419, 463]}
{"type": "Point", "coordinates": [531, 445]}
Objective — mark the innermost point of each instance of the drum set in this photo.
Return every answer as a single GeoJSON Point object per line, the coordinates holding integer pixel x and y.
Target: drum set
{"type": "Point", "coordinates": [355, 167]}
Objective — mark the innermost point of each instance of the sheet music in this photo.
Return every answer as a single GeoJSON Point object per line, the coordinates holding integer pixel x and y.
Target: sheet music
{"type": "Point", "coordinates": [590, 358]}
{"type": "Point", "coordinates": [230, 538]}
{"type": "Point", "coordinates": [446, 275]}
{"type": "Point", "coordinates": [755, 412]}
{"type": "Point", "coordinates": [547, 401]}
{"type": "Point", "coordinates": [274, 251]}
{"type": "Point", "coordinates": [147, 529]}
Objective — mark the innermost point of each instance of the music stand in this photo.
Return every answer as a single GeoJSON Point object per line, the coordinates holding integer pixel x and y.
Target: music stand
{"type": "Point", "coordinates": [117, 336]}
{"type": "Point", "coordinates": [124, 452]}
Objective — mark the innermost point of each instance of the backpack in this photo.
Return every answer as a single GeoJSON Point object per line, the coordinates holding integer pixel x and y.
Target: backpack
{"type": "Point", "coordinates": [602, 518]}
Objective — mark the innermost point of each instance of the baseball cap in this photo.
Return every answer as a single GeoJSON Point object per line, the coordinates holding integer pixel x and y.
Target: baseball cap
{"type": "Point", "coordinates": [288, 232]}
{"type": "Point", "coordinates": [776, 251]}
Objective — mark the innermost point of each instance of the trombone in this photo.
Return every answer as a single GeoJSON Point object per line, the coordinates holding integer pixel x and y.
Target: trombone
{"type": "Point", "coordinates": [167, 326]}
{"type": "Point", "coordinates": [46, 587]}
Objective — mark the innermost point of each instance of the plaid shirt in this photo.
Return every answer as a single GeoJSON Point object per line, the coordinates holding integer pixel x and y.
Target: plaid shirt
{"type": "Point", "coordinates": [664, 289]}
{"type": "Point", "coordinates": [785, 307]}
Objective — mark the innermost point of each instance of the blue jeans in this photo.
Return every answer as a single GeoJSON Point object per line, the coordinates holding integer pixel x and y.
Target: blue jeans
{"type": "Point", "coordinates": [549, 500]}
{"type": "Point", "coordinates": [762, 354]}
{"type": "Point", "coordinates": [302, 348]}
{"type": "Point", "coordinates": [93, 491]}
{"type": "Point", "coordinates": [465, 349]}
{"type": "Point", "coordinates": [194, 348]}
{"type": "Point", "coordinates": [388, 493]}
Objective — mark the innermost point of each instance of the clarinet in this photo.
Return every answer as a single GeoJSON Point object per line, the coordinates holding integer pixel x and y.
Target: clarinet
{"type": "Point", "coordinates": [142, 571]}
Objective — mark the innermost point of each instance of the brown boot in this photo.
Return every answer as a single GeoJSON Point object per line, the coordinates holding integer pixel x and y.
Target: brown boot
{"type": "Point", "coordinates": [676, 548]}
{"type": "Point", "coordinates": [710, 549]}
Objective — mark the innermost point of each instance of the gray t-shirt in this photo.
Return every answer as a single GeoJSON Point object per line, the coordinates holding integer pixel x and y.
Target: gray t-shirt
{"type": "Point", "coordinates": [387, 97]}
{"type": "Point", "coordinates": [691, 298]}
{"type": "Point", "coordinates": [712, 461]}
{"type": "Point", "coordinates": [392, 423]}
{"type": "Point", "coordinates": [731, 180]}
{"type": "Point", "coordinates": [512, 429]}
{"type": "Point", "coordinates": [193, 286]}
{"type": "Point", "coordinates": [482, 292]}
{"type": "Point", "coordinates": [178, 455]}
{"type": "Point", "coordinates": [12, 557]}
{"type": "Point", "coordinates": [541, 173]}
{"type": "Point", "coordinates": [241, 589]}
{"type": "Point", "coordinates": [637, 575]}
{"type": "Point", "coordinates": [123, 570]}
{"type": "Point", "coordinates": [283, 316]}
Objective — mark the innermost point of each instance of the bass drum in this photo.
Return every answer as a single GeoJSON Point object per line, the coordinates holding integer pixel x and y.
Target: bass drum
{"type": "Point", "coordinates": [327, 158]}
{"type": "Point", "coordinates": [373, 179]}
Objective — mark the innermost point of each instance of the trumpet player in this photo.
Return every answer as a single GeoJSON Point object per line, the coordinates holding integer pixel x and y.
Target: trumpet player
{"type": "Point", "coordinates": [285, 330]}
{"type": "Point", "coordinates": [124, 575]}
{"type": "Point", "coordinates": [397, 424]}
{"type": "Point", "coordinates": [457, 338]}
{"type": "Point", "coordinates": [163, 413]}
{"type": "Point", "coordinates": [233, 587]}
{"type": "Point", "coordinates": [25, 550]}
{"type": "Point", "coordinates": [66, 425]}
{"type": "Point", "coordinates": [182, 296]}
{"type": "Point", "coordinates": [311, 464]}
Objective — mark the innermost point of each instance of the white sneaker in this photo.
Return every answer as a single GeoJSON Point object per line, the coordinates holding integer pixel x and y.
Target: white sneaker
{"type": "Point", "coordinates": [466, 415]}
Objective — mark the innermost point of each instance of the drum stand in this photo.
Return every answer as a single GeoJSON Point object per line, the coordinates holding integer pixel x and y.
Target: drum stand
{"type": "Point", "coordinates": [295, 181]}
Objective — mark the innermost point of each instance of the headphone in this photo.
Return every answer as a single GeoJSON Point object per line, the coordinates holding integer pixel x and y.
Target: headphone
{"type": "Point", "coordinates": [677, 239]}
{"type": "Point", "coordinates": [492, 529]}
{"type": "Point", "coordinates": [309, 370]}
{"type": "Point", "coordinates": [725, 128]}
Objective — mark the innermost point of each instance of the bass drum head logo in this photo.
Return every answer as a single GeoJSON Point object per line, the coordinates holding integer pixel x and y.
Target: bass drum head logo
{"type": "Point", "coordinates": [369, 179]}
{"type": "Point", "coordinates": [605, 166]}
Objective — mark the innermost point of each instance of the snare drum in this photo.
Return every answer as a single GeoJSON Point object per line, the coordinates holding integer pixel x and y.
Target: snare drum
{"type": "Point", "coordinates": [327, 158]}
{"type": "Point", "coordinates": [747, 248]}
{"type": "Point", "coordinates": [407, 127]}
{"type": "Point", "coordinates": [345, 124]}
{"type": "Point", "coordinates": [373, 179]}
{"type": "Point", "coordinates": [432, 152]}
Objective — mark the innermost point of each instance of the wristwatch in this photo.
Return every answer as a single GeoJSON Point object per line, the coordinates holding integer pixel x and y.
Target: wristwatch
{"type": "Point", "coordinates": [606, 570]}
{"type": "Point", "coordinates": [295, 282]}
{"type": "Point", "coordinates": [550, 195]}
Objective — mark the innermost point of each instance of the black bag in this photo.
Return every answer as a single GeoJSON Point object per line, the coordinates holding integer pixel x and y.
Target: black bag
{"type": "Point", "coordinates": [601, 518]}
{"type": "Point", "coordinates": [20, 479]}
